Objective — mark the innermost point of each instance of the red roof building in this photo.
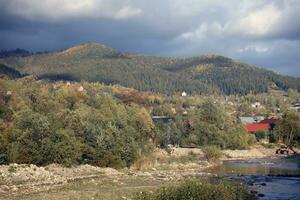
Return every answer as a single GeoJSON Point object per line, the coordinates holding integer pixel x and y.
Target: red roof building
{"type": "Point", "coordinates": [269, 121]}
{"type": "Point", "coordinates": [252, 128]}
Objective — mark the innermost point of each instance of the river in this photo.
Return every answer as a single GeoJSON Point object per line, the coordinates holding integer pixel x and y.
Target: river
{"type": "Point", "coordinates": [270, 178]}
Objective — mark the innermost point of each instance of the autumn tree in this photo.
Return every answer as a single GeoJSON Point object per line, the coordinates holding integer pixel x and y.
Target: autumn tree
{"type": "Point", "coordinates": [289, 127]}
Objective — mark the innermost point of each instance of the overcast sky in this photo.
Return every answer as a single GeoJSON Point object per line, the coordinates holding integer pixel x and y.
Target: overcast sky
{"type": "Point", "coordinates": [261, 32]}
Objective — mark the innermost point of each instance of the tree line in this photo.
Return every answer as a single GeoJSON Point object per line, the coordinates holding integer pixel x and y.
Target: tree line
{"type": "Point", "coordinates": [108, 126]}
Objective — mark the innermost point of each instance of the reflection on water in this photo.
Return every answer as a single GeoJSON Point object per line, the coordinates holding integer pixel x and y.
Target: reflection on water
{"type": "Point", "coordinates": [282, 166]}
{"type": "Point", "coordinates": [272, 178]}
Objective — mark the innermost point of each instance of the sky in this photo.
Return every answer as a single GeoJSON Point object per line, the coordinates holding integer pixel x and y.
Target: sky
{"type": "Point", "coordinates": [265, 33]}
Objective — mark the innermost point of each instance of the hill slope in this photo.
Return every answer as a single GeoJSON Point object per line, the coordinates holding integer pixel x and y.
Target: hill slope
{"type": "Point", "coordinates": [10, 72]}
{"type": "Point", "coordinates": [202, 74]}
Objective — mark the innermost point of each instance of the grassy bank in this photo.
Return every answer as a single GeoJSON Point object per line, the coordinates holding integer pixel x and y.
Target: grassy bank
{"type": "Point", "coordinates": [196, 189]}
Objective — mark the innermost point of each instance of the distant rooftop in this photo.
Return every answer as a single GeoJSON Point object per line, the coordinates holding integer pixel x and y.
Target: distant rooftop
{"type": "Point", "coordinates": [247, 120]}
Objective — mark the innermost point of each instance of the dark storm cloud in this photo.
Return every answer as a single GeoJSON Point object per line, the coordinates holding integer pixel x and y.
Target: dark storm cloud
{"type": "Point", "coordinates": [266, 33]}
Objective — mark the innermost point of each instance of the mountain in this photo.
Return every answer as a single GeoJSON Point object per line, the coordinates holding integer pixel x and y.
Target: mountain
{"type": "Point", "coordinates": [16, 52]}
{"type": "Point", "coordinates": [9, 72]}
{"type": "Point", "coordinates": [200, 74]}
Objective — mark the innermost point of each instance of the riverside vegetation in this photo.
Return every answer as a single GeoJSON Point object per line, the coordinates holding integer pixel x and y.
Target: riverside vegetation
{"type": "Point", "coordinates": [89, 123]}
{"type": "Point", "coordinates": [195, 189]}
{"type": "Point", "coordinates": [111, 126]}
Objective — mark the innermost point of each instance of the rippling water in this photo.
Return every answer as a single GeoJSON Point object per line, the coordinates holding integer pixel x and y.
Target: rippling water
{"type": "Point", "coordinates": [272, 178]}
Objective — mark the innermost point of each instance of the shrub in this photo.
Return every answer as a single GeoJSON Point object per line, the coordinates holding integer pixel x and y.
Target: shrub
{"type": "Point", "coordinates": [269, 145]}
{"type": "Point", "coordinates": [212, 153]}
{"type": "Point", "coordinates": [272, 137]}
{"type": "Point", "coordinates": [260, 135]}
{"type": "Point", "coordinates": [200, 190]}
{"type": "Point", "coordinates": [251, 139]}
{"type": "Point", "coordinates": [12, 169]}
{"type": "Point", "coordinates": [62, 148]}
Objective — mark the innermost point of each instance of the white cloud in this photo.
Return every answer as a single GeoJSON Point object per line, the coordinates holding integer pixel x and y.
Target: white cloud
{"type": "Point", "coordinates": [259, 22]}
{"type": "Point", "coordinates": [248, 22]}
{"type": "Point", "coordinates": [253, 48]}
{"type": "Point", "coordinates": [251, 30]}
{"type": "Point", "coordinates": [56, 10]}
{"type": "Point", "coordinates": [213, 29]}
{"type": "Point", "coordinates": [127, 11]}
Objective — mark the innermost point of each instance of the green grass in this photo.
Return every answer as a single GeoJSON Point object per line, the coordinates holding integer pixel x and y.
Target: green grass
{"type": "Point", "coordinates": [212, 153]}
{"type": "Point", "coordinates": [198, 190]}
{"type": "Point", "coordinates": [12, 169]}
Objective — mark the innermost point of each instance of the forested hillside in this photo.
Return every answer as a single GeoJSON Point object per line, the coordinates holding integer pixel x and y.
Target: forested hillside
{"type": "Point", "coordinates": [198, 75]}
{"type": "Point", "coordinates": [10, 72]}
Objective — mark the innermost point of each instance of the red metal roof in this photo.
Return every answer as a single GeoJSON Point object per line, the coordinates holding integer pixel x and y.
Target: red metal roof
{"type": "Point", "coordinates": [258, 127]}
{"type": "Point", "coordinates": [268, 121]}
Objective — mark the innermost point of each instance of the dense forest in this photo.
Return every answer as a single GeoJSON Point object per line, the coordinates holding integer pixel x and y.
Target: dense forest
{"type": "Point", "coordinates": [10, 72]}
{"type": "Point", "coordinates": [73, 123]}
{"type": "Point", "coordinates": [209, 74]}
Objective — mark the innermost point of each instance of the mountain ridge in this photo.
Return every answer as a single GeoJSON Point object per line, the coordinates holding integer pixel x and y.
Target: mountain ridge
{"type": "Point", "coordinates": [199, 74]}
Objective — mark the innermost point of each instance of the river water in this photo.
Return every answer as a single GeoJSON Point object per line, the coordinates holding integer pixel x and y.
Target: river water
{"type": "Point", "coordinates": [270, 178]}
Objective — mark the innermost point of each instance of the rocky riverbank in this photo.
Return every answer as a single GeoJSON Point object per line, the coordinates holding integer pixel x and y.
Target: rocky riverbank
{"type": "Point", "coordinates": [17, 180]}
{"type": "Point", "coordinates": [20, 181]}
{"type": "Point", "coordinates": [254, 152]}
{"type": "Point", "coordinates": [257, 151]}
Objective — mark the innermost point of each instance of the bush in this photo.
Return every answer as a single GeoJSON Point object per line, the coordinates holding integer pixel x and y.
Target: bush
{"type": "Point", "coordinates": [269, 145]}
{"type": "Point", "coordinates": [200, 190]}
{"type": "Point", "coordinates": [12, 169]}
{"type": "Point", "coordinates": [62, 148]}
{"type": "Point", "coordinates": [251, 139]}
{"type": "Point", "coordinates": [273, 137]}
{"type": "Point", "coordinates": [260, 135]}
{"type": "Point", "coordinates": [212, 153]}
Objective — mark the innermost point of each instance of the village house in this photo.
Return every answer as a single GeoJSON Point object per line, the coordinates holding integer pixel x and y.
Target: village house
{"type": "Point", "coordinates": [251, 120]}
{"type": "Point", "coordinates": [256, 105]}
{"type": "Point", "coordinates": [80, 89]}
{"type": "Point", "coordinates": [185, 113]}
{"type": "Point", "coordinates": [54, 86]}
{"type": "Point", "coordinates": [247, 120]}
{"type": "Point", "coordinates": [265, 125]}
{"type": "Point", "coordinates": [252, 128]}
{"type": "Point", "coordinates": [271, 121]}
{"type": "Point", "coordinates": [173, 110]}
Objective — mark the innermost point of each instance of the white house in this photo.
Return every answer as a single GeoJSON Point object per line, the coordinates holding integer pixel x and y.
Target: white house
{"type": "Point", "coordinates": [256, 105]}
{"type": "Point", "coordinates": [80, 89]}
